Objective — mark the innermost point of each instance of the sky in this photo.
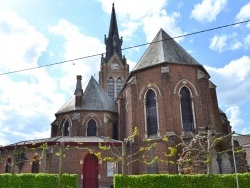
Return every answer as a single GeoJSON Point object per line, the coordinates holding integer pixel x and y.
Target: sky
{"type": "Point", "coordinates": [43, 32]}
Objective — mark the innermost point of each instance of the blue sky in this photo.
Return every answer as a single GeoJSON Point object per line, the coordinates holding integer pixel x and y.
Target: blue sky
{"type": "Point", "coordinates": [41, 32]}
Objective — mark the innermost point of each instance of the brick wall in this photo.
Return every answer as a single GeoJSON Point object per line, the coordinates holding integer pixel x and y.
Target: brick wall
{"type": "Point", "coordinates": [166, 85]}
{"type": "Point", "coordinates": [72, 162]}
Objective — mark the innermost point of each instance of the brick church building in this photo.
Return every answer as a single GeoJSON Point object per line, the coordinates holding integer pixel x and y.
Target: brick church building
{"type": "Point", "coordinates": [167, 93]}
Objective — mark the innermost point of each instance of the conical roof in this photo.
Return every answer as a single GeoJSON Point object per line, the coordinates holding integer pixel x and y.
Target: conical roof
{"type": "Point", "coordinates": [94, 98]}
{"type": "Point", "coordinates": [164, 49]}
{"type": "Point", "coordinates": [113, 42]}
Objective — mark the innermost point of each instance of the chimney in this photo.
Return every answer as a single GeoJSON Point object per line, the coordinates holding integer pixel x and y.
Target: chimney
{"type": "Point", "coordinates": [78, 92]}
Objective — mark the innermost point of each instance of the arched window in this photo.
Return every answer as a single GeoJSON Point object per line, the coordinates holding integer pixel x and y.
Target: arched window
{"type": "Point", "coordinates": [119, 84]}
{"type": "Point", "coordinates": [8, 165]}
{"type": "Point", "coordinates": [151, 112]}
{"type": "Point", "coordinates": [66, 128]}
{"type": "Point", "coordinates": [111, 89]}
{"type": "Point", "coordinates": [35, 164]}
{"type": "Point", "coordinates": [186, 109]}
{"type": "Point", "coordinates": [91, 128]}
{"type": "Point", "coordinates": [115, 131]}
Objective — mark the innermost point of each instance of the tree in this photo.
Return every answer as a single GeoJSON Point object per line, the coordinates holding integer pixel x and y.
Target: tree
{"type": "Point", "coordinates": [142, 154]}
{"type": "Point", "coordinates": [200, 150]}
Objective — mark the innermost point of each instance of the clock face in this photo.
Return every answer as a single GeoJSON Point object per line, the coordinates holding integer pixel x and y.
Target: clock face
{"type": "Point", "coordinates": [115, 66]}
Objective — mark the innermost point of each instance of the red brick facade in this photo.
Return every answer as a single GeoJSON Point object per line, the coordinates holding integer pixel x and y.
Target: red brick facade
{"type": "Point", "coordinates": [167, 85]}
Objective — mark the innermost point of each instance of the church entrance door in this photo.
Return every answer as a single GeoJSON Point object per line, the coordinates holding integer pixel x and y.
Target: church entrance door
{"type": "Point", "coordinates": [90, 171]}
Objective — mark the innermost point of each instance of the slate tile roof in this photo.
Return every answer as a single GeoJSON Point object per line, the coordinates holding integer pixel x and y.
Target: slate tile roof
{"type": "Point", "coordinates": [164, 49]}
{"type": "Point", "coordinates": [67, 139]}
{"type": "Point", "coordinates": [243, 140]}
{"type": "Point", "coordinates": [94, 98]}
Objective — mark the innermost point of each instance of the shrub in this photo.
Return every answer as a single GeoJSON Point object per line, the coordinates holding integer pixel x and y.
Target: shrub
{"type": "Point", "coordinates": [182, 181]}
{"type": "Point", "coordinates": [37, 180]}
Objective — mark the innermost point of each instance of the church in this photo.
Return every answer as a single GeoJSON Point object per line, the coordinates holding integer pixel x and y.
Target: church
{"type": "Point", "coordinates": [167, 94]}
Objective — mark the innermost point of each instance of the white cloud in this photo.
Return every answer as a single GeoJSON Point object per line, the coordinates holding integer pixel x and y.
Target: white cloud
{"type": "Point", "coordinates": [208, 10]}
{"type": "Point", "coordinates": [235, 118]}
{"type": "Point", "coordinates": [150, 15]}
{"type": "Point", "coordinates": [77, 45]}
{"type": "Point", "coordinates": [218, 43]}
{"type": "Point", "coordinates": [153, 23]}
{"type": "Point", "coordinates": [131, 27]}
{"type": "Point", "coordinates": [244, 14]}
{"type": "Point", "coordinates": [235, 81]}
{"type": "Point", "coordinates": [225, 42]}
{"type": "Point", "coordinates": [29, 96]}
{"type": "Point", "coordinates": [134, 10]}
{"type": "Point", "coordinates": [18, 37]}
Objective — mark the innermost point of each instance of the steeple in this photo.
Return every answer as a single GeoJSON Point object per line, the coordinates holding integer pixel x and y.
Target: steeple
{"type": "Point", "coordinates": [113, 42]}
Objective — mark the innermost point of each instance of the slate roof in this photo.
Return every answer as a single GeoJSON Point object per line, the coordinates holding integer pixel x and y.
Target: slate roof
{"type": "Point", "coordinates": [94, 98]}
{"type": "Point", "coordinates": [67, 139]}
{"type": "Point", "coordinates": [243, 140]}
{"type": "Point", "coordinates": [164, 49]}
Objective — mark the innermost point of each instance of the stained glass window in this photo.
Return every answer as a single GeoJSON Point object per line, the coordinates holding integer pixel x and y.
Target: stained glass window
{"type": "Point", "coordinates": [91, 128]}
{"type": "Point", "coordinates": [152, 124]}
{"type": "Point", "coordinates": [186, 109]}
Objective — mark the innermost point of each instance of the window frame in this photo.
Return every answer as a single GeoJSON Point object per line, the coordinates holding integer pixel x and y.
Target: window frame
{"type": "Point", "coordinates": [147, 134]}
{"type": "Point", "coordinates": [87, 127]}
{"type": "Point", "coordinates": [117, 85]}
{"type": "Point", "coordinates": [64, 128]}
{"type": "Point", "coordinates": [111, 91]}
{"type": "Point", "coordinates": [35, 164]}
{"type": "Point", "coordinates": [191, 105]}
{"type": "Point", "coordinates": [8, 164]}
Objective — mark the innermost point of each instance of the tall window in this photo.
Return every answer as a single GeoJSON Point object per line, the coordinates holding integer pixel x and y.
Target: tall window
{"type": "Point", "coordinates": [91, 128]}
{"type": "Point", "coordinates": [186, 109]}
{"type": "Point", "coordinates": [35, 164]}
{"type": "Point", "coordinates": [152, 124]}
{"type": "Point", "coordinates": [66, 128]}
{"type": "Point", "coordinates": [119, 84]}
{"type": "Point", "coordinates": [115, 131]}
{"type": "Point", "coordinates": [111, 87]}
{"type": "Point", "coordinates": [8, 165]}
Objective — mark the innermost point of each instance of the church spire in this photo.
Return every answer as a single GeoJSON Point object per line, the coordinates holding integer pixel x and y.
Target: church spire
{"type": "Point", "coordinates": [113, 42]}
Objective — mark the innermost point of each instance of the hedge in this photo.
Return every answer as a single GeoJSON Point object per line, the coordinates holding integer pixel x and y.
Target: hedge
{"type": "Point", "coordinates": [182, 181]}
{"type": "Point", "coordinates": [37, 180]}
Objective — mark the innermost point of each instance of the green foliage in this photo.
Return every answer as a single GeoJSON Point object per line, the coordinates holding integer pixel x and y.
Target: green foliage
{"type": "Point", "coordinates": [165, 138]}
{"type": "Point", "coordinates": [69, 181]}
{"type": "Point", "coordinates": [182, 181]}
{"type": "Point", "coordinates": [37, 180]}
{"type": "Point", "coordinates": [172, 150]}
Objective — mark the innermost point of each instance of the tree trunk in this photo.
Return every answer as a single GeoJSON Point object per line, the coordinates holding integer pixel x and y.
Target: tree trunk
{"type": "Point", "coordinates": [13, 161]}
{"type": "Point", "coordinates": [124, 163]}
{"type": "Point", "coordinates": [60, 164]}
{"type": "Point", "coordinates": [209, 154]}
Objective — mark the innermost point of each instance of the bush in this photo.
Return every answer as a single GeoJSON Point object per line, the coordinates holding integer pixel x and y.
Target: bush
{"type": "Point", "coordinates": [37, 180]}
{"type": "Point", "coordinates": [182, 181]}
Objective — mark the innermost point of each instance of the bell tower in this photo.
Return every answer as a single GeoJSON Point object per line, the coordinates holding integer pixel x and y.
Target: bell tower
{"type": "Point", "coordinates": [114, 68]}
